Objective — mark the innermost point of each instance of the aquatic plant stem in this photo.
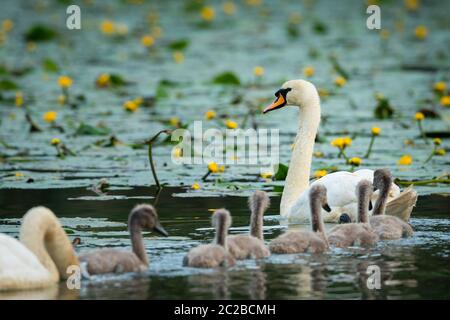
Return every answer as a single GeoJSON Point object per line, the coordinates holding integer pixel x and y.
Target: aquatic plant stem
{"type": "Point", "coordinates": [422, 133]}
{"type": "Point", "coordinates": [431, 155]}
{"type": "Point", "coordinates": [369, 150]}
{"type": "Point", "coordinates": [150, 156]}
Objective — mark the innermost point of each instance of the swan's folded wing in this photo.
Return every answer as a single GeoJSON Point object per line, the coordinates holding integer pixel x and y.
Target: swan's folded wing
{"type": "Point", "coordinates": [19, 267]}
{"type": "Point", "coordinates": [402, 205]}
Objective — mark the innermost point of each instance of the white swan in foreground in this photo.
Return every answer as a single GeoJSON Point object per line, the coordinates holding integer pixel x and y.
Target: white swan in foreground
{"type": "Point", "coordinates": [42, 256]}
{"type": "Point", "coordinates": [340, 185]}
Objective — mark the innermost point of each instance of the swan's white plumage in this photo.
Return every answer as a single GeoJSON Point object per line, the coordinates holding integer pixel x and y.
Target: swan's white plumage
{"type": "Point", "coordinates": [340, 194]}
{"type": "Point", "coordinates": [340, 185]}
{"type": "Point", "coordinates": [19, 267]}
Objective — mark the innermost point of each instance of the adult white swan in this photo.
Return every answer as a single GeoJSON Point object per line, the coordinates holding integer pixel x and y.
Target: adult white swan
{"type": "Point", "coordinates": [41, 257]}
{"type": "Point", "coordinates": [340, 185]}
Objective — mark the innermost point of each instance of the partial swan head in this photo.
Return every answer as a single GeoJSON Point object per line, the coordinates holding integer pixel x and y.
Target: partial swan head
{"type": "Point", "coordinates": [318, 194]}
{"type": "Point", "coordinates": [382, 179]}
{"type": "Point", "coordinates": [364, 190]}
{"type": "Point", "coordinates": [299, 93]}
{"type": "Point", "coordinates": [146, 217]}
{"type": "Point", "coordinates": [221, 217]}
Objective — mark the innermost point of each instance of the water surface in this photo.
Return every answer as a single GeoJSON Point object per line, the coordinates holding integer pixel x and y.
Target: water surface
{"type": "Point", "coordinates": [415, 268]}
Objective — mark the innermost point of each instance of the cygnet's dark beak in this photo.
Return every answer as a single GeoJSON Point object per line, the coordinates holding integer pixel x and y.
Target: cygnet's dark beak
{"type": "Point", "coordinates": [344, 218]}
{"type": "Point", "coordinates": [158, 228]}
{"type": "Point", "coordinates": [326, 207]}
{"type": "Point", "coordinates": [370, 205]}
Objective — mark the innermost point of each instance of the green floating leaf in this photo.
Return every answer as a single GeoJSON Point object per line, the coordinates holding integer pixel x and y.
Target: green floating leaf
{"type": "Point", "coordinates": [117, 80]}
{"type": "Point", "coordinates": [281, 172]}
{"type": "Point", "coordinates": [383, 110]}
{"type": "Point", "coordinates": [320, 27]}
{"type": "Point", "coordinates": [227, 78]}
{"type": "Point", "coordinates": [69, 231]}
{"type": "Point", "coordinates": [179, 44]}
{"type": "Point", "coordinates": [40, 33]}
{"type": "Point", "coordinates": [88, 130]}
{"type": "Point", "coordinates": [50, 66]}
{"type": "Point", "coordinates": [6, 84]}
{"type": "Point", "coordinates": [338, 68]}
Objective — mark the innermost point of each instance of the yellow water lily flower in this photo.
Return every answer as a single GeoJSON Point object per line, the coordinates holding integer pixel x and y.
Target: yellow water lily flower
{"type": "Point", "coordinates": [405, 160]}
{"type": "Point", "coordinates": [213, 167]}
{"type": "Point", "coordinates": [231, 124]}
{"type": "Point", "coordinates": [130, 106]}
{"type": "Point", "coordinates": [229, 8]}
{"type": "Point", "coordinates": [177, 152]}
{"type": "Point", "coordinates": [208, 13]}
{"type": "Point", "coordinates": [258, 71]}
{"type": "Point", "coordinates": [440, 86]}
{"type": "Point", "coordinates": [147, 41]}
{"type": "Point", "coordinates": [267, 175]}
{"type": "Point", "coordinates": [103, 80]}
{"type": "Point", "coordinates": [340, 81]}
{"type": "Point", "coordinates": [421, 32]}
{"type": "Point", "coordinates": [18, 175]}
{"type": "Point", "coordinates": [210, 114]}
{"type": "Point", "coordinates": [445, 101]}
{"type": "Point", "coordinates": [107, 27]}
{"type": "Point", "coordinates": [342, 142]}
{"type": "Point", "coordinates": [50, 116]}
{"type": "Point", "coordinates": [308, 71]}
{"type": "Point", "coordinates": [7, 25]}
{"type": "Point", "coordinates": [419, 116]}
{"type": "Point", "coordinates": [320, 173]}
{"type": "Point", "coordinates": [376, 131]}
{"type": "Point", "coordinates": [178, 56]}
{"type": "Point", "coordinates": [174, 121]}
{"type": "Point", "coordinates": [440, 152]}
{"type": "Point", "coordinates": [55, 141]}
{"type": "Point", "coordinates": [64, 81]}
{"type": "Point", "coordinates": [19, 99]}
{"type": "Point", "coordinates": [355, 161]}
{"type": "Point", "coordinates": [195, 186]}
{"type": "Point", "coordinates": [437, 141]}
{"type": "Point", "coordinates": [412, 4]}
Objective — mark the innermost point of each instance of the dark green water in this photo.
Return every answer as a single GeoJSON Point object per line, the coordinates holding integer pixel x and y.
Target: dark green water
{"type": "Point", "coordinates": [415, 268]}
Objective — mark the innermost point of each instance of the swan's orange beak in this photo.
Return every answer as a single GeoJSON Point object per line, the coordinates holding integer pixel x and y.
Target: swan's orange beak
{"type": "Point", "coordinates": [279, 102]}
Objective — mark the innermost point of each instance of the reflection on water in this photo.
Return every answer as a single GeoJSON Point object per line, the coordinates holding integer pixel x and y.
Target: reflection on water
{"type": "Point", "coordinates": [410, 268]}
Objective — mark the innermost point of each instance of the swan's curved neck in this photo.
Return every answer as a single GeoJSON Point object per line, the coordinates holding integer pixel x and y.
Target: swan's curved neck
{"type": "Point", "coordinates": [380, 204]}
{"type": "Point", "coordinates": [316, 221]}
{"type": "Point", "coordinates": [256, 223]}
{"type": "Point", "coordinates": [221, 232]}
{"type": "Point", "coordinates": [43, 235]}
{"type": "Point", "coordinates": [136, 240]}
{"type": "Point", "coordinates": [297, 179]}
{"type": "Point", "coordinates": [363, 204]}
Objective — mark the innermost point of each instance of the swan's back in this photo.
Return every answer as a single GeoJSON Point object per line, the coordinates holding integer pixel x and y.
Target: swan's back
{"type": "Point", "coordinates": [390, 227]}
{"type": "Point", "coordinates": [298, 241]}
{"type": "Point", "coordinates": [352, 234]}
{"type": "Point", "coordinates": [19, 267]}
{"type": "Point", "coordinates": [246, 247]}
{"type": "Point", "coordinates": [107, 260]}
{"type": "Point", "coordinates": [208, 256]}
